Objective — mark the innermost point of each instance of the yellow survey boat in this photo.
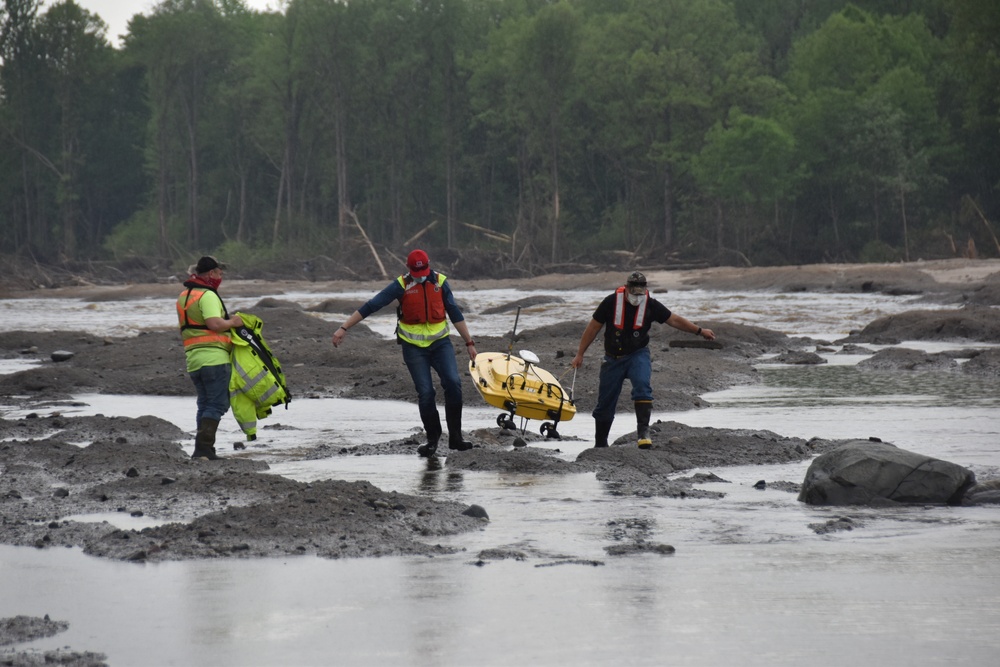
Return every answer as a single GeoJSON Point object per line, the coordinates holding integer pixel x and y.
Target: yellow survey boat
{"type": "Point", "coordinates": [522, 388]}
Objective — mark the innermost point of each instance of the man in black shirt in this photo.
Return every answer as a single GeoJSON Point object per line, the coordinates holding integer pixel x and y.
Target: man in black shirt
{"type": "Point", "coordinates": [629, 314]}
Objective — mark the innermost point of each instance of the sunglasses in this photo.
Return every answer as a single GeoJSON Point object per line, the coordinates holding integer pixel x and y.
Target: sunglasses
{"type": "Point", "coordinates": [637, 290]}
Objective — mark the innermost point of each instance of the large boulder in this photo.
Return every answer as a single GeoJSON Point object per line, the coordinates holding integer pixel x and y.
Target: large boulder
{"type": "Point", "coordinates": [977, 323]}
{"type": "Point", "coordinates": [863, 472]}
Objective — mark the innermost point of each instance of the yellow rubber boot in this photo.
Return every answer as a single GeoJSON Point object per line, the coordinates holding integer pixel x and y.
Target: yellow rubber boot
{"type": "Point", "coordinates": [643, 410]}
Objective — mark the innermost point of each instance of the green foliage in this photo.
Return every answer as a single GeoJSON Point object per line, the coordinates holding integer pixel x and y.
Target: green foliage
{"type": "Point", "coordinates": [879, 252]}
{"type": "Point", "coordinates": [139, 236]}
{"type": "Point", "coordinates": [731, 130]}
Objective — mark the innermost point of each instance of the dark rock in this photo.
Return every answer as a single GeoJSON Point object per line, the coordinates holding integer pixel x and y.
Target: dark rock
{"type": "Point", "coordinates": [639, 548]}
{"type": "Point", "coordinates": [572, 561]}
{"type": "Point", "coordinates": [476, 512]}
{"type": "Point", "coordinates": [850, 348]}
{"type": "Point", "coordinates": [986, 364]}
{"type": "Point", "coordinates": [697, 344]}
{"type": "Point", "coordinates": [502, 554]}
{"type": "Point", "coordinates": [526, 302]}
{"type": "Point", "coordinates": [271, 302]}
{"type": "Point", "coordinates": [336, 305]}
{"type": "Point", "coordinates": [864, 473]}
{"type": "Point", "coordinates": [798, 357]}
{"type": "Point", "coordinates": [978, 323]}
{"type": "Point", "coordinates": [904, 359]}
{"type": "Point", "coordinates": [984, 493]}
{"type": "Point", "coordinates": [18, 629]}
{"type": "Point", "coordinates": [62, 355]}
{"type": "Point", "coordinates": [833, 525]}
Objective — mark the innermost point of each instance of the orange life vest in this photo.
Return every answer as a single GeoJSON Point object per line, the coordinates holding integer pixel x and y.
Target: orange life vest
{"type": "Point", "coordinates": [193, 329]}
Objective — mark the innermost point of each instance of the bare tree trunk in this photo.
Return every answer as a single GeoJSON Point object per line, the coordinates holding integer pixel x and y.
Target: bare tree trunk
{"type": "Point", "coordinates": [668, 207]}
{"type": "Point", "coordinates": [449, 167]}
{"type": "Point", "coordinates": [161, 185]}
{"type": "Point", "coordinates": [878, 214]}
{"type": "Point", "coordinates": [719, 232]}
{"type": "Point", "coordinates": [241, 225]}
{"type": "Point", "coordinates": [26, 190]}
{"type": "Point", "coordinates": [278, 203]}
{"type": "Point", "coordinates": [449, 195]}
{"type": "Point", "coordinates": [191, 120]}
{"type": "Point", "coordinates": [68, 202]}
{"type": "Point", "coordinates": [343, 198]}
{"type": "Point", "coordinates": [554, 254]}
{"type": "Point", "coordinates": [906, 234]}
{"type": "Point", "coordinates": [833, 219]}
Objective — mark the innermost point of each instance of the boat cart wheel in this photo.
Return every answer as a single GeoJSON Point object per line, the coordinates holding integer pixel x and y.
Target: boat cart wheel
{"type": "Point", "coordinates": [503, 421]}
{"type": "Point", "coordinates": [548, 429]}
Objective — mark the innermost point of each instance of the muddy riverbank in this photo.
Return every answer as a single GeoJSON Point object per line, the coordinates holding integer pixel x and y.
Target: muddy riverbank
{"type": "Point", "coordinates": [55, 466]}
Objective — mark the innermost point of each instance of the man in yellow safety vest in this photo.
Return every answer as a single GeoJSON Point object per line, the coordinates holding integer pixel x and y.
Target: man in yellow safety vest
{"type": "Point", "coordinates": [426, 303]}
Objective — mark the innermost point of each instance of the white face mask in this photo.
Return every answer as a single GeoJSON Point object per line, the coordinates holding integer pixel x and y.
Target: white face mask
{"type": "Point", "coordinates": [635, 299]}
{"type": "Point", "coordinates": [421, 279]}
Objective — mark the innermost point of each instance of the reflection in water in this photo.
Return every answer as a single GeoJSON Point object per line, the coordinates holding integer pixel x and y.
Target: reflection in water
{"type": "Point", "coordinates": [437, 479]}
{"type": "Point", "coordinates": [818, 385]}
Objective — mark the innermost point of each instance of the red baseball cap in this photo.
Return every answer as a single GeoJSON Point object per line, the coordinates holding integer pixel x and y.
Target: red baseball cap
{"type": "Point", "coordinates": [418, 264]}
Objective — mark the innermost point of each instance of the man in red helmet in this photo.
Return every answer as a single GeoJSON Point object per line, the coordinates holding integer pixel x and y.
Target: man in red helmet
{"type": "Point", "coordinates": [426, 303]}
{"type": "Point", "coordinates": [629, 313]}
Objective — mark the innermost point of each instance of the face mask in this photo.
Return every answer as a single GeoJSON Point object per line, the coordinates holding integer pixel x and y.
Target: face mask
{"type": "Point", "coordinates": [635, 299]}
{"type": "Point", "coordinates": [214, 282]}
{"type": "Point", "coordinates": [420, 280]}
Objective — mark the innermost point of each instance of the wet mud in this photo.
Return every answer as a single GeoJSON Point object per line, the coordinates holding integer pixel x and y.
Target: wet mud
{"type": "Point", "coordinates": [54, 467]}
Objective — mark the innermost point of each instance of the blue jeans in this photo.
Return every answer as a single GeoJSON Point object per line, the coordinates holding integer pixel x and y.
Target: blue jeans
{"type": "Point", "coordinates": [635, 367]}
{"type": "Point", "coordinates": [212, 383]}
{"type": "Point", "coordinates": [439, 355]}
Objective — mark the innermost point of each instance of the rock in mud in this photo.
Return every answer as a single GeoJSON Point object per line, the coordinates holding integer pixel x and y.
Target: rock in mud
{"type": "Point", "coordinates": [863, 472]}
{"type": "Point", "coordinates": [798, 358]}
{"type": "Point", "coordinates": [904, 359]}
{"type": "Point", "coordinates": [977, 323]}
{"type": "Point", "coordinates": [985, 493]}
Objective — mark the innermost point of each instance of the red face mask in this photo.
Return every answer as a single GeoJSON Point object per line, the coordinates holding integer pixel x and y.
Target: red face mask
{"type": "Point", "coordinates": [207, 281]}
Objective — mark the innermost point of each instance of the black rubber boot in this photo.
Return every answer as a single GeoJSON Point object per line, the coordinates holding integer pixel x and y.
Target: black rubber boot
{"type": "Point", "coordinates": [204, 441]}
{"type": "Point", "coordinates": [453, 415]}
{"type": "Point", "coordinates": [601, 430]}
{"type": "Point", "coordinates": [643, 409]}
{"type": "Point", "coordinates": [432, 426]}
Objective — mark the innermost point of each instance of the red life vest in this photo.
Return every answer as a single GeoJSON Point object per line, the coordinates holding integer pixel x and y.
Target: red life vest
{"type": "Point", "coordinates": [422, 303]}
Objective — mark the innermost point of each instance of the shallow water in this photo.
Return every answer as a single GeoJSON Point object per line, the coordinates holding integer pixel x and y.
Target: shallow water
{"type": "Point", "coordinates": [750, 582]}
{"type": "Point", "coordinates": [798, 314]}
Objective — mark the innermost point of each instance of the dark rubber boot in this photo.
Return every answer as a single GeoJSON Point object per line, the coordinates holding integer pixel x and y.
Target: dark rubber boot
{"type": "Point", "coordinates": [432, 426]}
{"type": "Point", "coordinates": [643, 409]}
{"type": "Point", "coordinates": [601, 430]}
{"type": "Point", "coordinates": [204, 441]}
{"type": "Point", "coordinates": [453, 415]}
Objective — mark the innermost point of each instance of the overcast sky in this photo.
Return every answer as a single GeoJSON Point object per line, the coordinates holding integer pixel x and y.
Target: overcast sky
{"type": "Point", "coordinates": [116, 13]}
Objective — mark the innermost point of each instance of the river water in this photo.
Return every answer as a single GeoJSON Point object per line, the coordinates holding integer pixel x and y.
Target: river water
{"type": "Point", "coordinates": [750, 583]}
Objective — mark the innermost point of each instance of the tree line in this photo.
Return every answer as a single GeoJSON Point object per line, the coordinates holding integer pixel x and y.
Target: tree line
{"type": "Point", "coordinates": [728, 131]}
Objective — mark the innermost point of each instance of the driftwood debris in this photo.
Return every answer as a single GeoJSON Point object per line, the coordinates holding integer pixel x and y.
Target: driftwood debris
{"type": "Point", "coordinates": [371, 247]}
{"type": "Point", "coordinates": [703, 344]}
